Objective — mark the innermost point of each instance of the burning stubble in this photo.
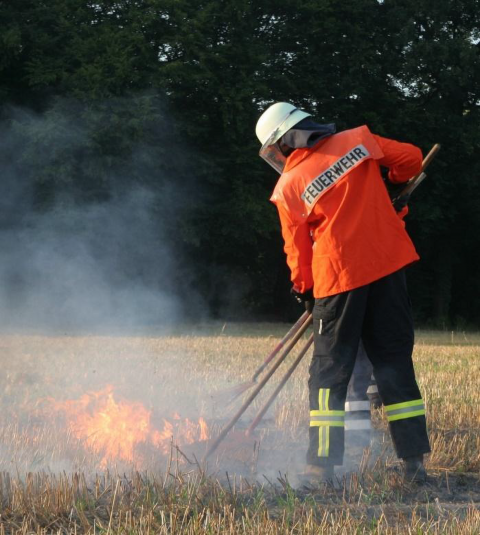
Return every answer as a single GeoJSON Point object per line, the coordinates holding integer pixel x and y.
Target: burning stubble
{"type": "Point", "coordinates": [122, 403]}
{"type": "Point", "coordinates": [114, 428]}
{"type": "Point", "coordinates": [93, 404]}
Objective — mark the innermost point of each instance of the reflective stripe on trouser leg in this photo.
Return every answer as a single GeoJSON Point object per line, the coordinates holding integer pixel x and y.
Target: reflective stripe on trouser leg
{"type": "Point", "coordinates": [408, 427]}
{"type": "Point", "coordinates": [325, 418]}
{"type": "Point", "coordinates": [406, 409]}
{"type": "Point", "coordinates": [357, 416]}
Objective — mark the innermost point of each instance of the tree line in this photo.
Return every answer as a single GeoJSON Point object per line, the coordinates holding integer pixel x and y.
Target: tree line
{"type": "Point", "coordinates": [171, 90]}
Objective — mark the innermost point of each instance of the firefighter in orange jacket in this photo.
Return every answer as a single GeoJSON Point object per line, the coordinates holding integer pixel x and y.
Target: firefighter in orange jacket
{"type": "Point", "coordinates": [347, 249]}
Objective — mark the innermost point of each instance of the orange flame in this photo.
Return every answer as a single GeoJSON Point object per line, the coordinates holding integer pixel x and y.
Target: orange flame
{"type": "Point", "coordinates": [185, 431]}
{"type": "Point", "coordinates": [114, 429]}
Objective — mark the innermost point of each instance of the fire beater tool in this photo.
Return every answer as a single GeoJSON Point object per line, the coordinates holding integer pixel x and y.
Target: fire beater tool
{"type": "Point", "coordinates": [236, 391]}
{"type": "Point", "coordinates": [259, 387]}
{"type": "Point", "coordinates": [277, 390]}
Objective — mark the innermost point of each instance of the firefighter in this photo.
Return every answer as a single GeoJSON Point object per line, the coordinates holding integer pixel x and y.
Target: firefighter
{"type": "Point", "coordinates": [347, 251]}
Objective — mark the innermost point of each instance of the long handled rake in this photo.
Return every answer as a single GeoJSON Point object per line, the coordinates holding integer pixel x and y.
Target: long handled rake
{"type": "Point", "coordinates": [259, 387]}
{"type": "Point", "coordinates": [234, 392]}
{"type": "Point", "coordinates": [281, 384]}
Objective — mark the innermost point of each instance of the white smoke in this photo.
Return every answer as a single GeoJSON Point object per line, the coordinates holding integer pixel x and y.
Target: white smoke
{"type": "Point", "coordinates": [87, 267]}
{"type": "Point", "coordinates": [80, 264]}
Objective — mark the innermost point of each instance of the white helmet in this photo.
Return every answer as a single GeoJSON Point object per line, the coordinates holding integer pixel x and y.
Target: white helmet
{"type": "Point", "coordinates": [273, 123]}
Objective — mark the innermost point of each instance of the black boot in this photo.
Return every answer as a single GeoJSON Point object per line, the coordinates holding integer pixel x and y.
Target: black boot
{"type": "Point", "coordinates": [315, 475]}
{"type": "Point", "coordinates": [414, 470]}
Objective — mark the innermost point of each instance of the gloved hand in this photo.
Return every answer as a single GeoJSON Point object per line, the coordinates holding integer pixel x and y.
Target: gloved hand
{"type": "Point", "coordinates": [401, 202]}
{"type": "Point", "coordinates": [305, 297]}
{"type": "Point", "coordinates": [394, 192]}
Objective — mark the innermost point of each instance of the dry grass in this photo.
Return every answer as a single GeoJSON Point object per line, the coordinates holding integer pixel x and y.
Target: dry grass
{"type": "Point", "coordinates": [50, 483]}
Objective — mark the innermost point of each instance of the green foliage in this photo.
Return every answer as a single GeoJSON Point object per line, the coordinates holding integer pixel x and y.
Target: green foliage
{"type": "Point", "coordinates": [102, 75]}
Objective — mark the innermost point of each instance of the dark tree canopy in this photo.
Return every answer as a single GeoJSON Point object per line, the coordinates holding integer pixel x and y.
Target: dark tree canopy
{"type": "Point", "coordinates": [171, 90]}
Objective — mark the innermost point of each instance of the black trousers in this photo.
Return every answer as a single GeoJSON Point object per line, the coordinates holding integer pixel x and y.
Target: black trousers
{"type": "Point", "coordinates": [380, 315]}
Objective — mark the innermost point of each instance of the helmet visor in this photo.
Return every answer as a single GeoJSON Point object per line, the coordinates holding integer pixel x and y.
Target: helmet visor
{"type": "Point", "coordinates": [273, 156]}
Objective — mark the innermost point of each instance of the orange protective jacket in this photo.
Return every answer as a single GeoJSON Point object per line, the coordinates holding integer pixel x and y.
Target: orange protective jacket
{"type": "Point", "coordinates": [339, 226]}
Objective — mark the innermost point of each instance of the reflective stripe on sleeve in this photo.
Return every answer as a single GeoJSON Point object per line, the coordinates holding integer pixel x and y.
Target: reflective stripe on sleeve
{"type": "Point", "coordinates": [407, 409]}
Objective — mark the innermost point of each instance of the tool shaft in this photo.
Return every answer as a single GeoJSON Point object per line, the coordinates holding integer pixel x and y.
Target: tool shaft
{"type": "Point", "coordinates": [416, 180]}
{"type": "Point", "coordinates": [280, 345]}
{"type": "Point", "coordinates": [285, 378]}
{"type": "Point", "coordinates": [259, 387]}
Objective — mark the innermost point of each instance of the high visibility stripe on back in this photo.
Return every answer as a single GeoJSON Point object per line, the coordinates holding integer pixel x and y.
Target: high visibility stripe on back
{"type": "Point", "coordinates": [330, 176]}
{"type": "Point", "coordinates": [406, 409]}
{"type": "Point", "coordinates": [339, 156]}
{"type": "Point", "coordinates": [324, 418]}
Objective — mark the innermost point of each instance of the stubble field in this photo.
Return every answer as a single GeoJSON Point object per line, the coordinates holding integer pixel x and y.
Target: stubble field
{"type": "Point", "coordinates": [107, 434]}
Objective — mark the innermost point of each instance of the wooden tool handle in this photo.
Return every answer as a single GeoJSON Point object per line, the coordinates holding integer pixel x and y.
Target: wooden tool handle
{"type": "Point", "coordinates": [262, 383]}
{"type": "Point", "coordinates": [416, 180]}
{"type": "Point", "coordinates": [285, 378]}
{"type": "Point", "coordinates": [430, 156]}
{"type": "Point", "coordinates": [280, 345]}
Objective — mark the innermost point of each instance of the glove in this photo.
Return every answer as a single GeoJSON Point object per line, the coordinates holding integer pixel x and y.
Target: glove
{"type": "Point", "coordinates": [401, 202]}
{"type": "Point", "coordinates": [305, 297]}
{"type": "Point", "coordinates": [394, 192]}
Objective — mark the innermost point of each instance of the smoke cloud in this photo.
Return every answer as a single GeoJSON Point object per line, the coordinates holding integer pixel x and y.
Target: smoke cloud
{"type": "Point", "coordinates": [87, 244]}
{"type": "Point", "coordinates": [87, 267]}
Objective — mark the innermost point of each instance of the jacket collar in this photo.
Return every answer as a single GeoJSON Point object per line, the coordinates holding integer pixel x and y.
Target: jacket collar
{"type": "Point", "coordinates": [298, 155]}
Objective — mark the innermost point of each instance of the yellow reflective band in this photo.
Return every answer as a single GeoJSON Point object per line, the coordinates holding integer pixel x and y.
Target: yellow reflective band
{"type": "Point", "coordinates": [331, 419]}
{"type": "Point", "coordinates": [403, 405]}
{"type": "Point", "coordinates": [320, 423]}
{"type": "Point", "coordinates": [327, 442]}
{"type": "Point", "coordinates": [323, 395]}
{"type": "Point", "coordinates": [327, 413]}
{"type": "Point", "coordinates": [403, 415]}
